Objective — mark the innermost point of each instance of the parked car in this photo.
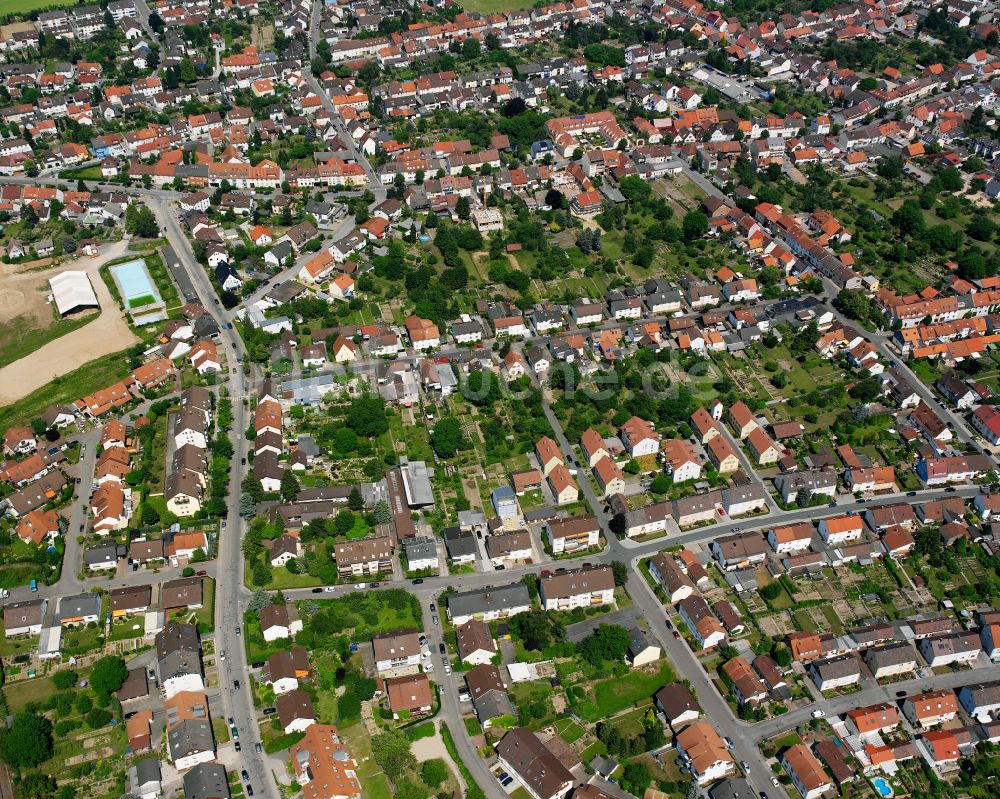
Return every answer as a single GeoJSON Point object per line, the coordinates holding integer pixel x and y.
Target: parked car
{"type": "Point", "coordinates": [236, 685]}
{"type": "Point", "coordinates": [245, 775]}
{"type": "Point", "coordinates": [317, 590]}
{"type": "Point", "coordinates": [204, 573]}
{"type": "Point", "coordinates": [330, 589]}
{"type": "Point", "coordinates": [442, 648]}
{"type": "Point", "coordinates": [238, 746]}
{"type": "Point", "coordinates": [249, 789]}
{"type": "Point", "coordinates": [418, 581]}
{"type": "Point", "coordinates": [435, 619]}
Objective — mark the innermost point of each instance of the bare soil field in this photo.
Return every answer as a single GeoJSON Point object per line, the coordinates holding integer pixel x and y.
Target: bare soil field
{"type": "Point", "coordinates": [23, 294]}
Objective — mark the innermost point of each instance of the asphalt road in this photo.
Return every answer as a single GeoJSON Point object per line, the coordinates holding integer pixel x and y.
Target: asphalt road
{"type": "Point", "coordinates": [229, 564]}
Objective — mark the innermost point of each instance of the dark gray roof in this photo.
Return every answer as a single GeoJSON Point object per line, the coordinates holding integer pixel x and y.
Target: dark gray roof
{"type": "Point", "coordinates": [732, 788]}
{"type": "Point", "coordinates": [206, 781]}
{"type": "Point", "coordinates": [459, 543]}
{"type": "Point", "coordinates": [190, 737]}
{"type": "Point", "coordinates": [487, 599]}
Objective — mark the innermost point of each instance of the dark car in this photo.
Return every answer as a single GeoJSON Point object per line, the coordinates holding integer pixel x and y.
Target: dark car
{"type": "Point", "coordinates": [911, 493]}
{"type": "Point", "coordinates": [441, 648]}
{"type": "Point", "coordinates": [249, 789]}
{"type": "Point", "coordinates": [900, 693]}
{"type": "Point", "coordinates": [317, 590]}
{"type": "Point", "coordinates": [236, 685]}
{"type": "Point", "coordinates": [950, 490]}
{"type": "Point", "coordinates": [418, 581]}
{"type": "Point", "coordinates": [832, 505]}
{"type": "Point", "coordinates": [238, 746]}
{"type": "Point", "coordinates": [677, 635]}
{"type": "Point", "coordinates": [375, 585]}
{"type": "Point", "coordinates": [202, 573]}
{"type": "Point", "coordinates": [245, 775]}
{"type": "Point", "coordinates": [433, 608]}
{"type": "Point", "coordinates": [860, 501]}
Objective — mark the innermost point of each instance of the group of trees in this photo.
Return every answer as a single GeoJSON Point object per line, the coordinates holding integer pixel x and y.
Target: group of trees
{"type": "Point", "coordinates": [139, 221]}
{"type": "Point", "coordinates": [620, 746]}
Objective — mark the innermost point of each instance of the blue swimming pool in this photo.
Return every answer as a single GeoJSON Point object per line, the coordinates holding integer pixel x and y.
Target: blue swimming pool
{"type": "Point", "coordinates": [883, 787]}
{"type": "Point", "coordinates": [135, 284]}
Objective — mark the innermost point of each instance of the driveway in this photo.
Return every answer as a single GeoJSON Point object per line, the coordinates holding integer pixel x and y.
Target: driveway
{"type": "Point", "coordinates": [626, 617]}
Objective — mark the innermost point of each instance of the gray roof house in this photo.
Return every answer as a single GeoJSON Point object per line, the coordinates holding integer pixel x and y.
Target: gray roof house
{"type": "Point", "coordinates": [190, 740]}
{"type": "Point", "coordinates": [79, 608]}
{"type": "Point", "coordinates": [206, 781]}
{"type": "Point", "coordinates": [489, 694]}
{"type": "Point", "coordinates": [489, 603]}
{"type": "Point", "coordinates": [144, 778]}
{"type": "Point", "coordinates": [461, 544]}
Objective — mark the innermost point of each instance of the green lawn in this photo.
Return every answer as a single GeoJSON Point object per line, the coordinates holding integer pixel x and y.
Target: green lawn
{"type": "Point", "coordinates": [27, 692]}
{"type": "Point", "coordinates": [616, 694]}
{"type": "Point", "coordinates": [138, 302]}
{"type": "Point", "coordinates": [803, 620]}
{"type": "Point", "coordinates": [84, 172]}
{"type": "Point", "coordinates": [282, 579]}
{"type": "Point", "coordinates": [364, 621]}
{"type": "Point", "coordinates": [24, 6]}
{"type": "Point", "coordinates": [97, 374]}
{"type": "Point", "coordinates": [17, 646]}
{"type": "Point", "coordinates": [20, 337]}
{"type": "Point", "coordinates": [374, 783]}
{"type": "Point", "coordinates": [491, 6]}
{"type": "Point", "coordinates": [81, 640]}
{"type": "Point", "coordinates": [569, 730]}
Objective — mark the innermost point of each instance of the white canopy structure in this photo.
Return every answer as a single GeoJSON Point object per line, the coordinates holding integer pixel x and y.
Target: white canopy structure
{"type": "Point", "coordinates": [72, 291]}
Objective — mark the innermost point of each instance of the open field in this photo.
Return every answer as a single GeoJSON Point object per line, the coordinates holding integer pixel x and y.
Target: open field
{"type": "Point", "coordinates": [22, 335]}
{"type": "Point", "coordinates": [493, 6]}
{"type": "Point", "coordinates": [107, 333]}
{"type": "Point", "coordinates": [24, 6]}
{"type": "Point", "coordinates": [87, 378]}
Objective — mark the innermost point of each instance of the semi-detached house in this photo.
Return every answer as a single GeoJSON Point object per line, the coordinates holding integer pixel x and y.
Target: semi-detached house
{"type": "Point", "coordinates": [703, 625]}
{"type": "Point", "coordinates": [572, 534]}
{"type": "Point", "coordinates": [929, 709]}
{"type": "Point", "coordinates": [489, 604]}
{"type": "Point", "coordinates": [580, 588]}
{"type": "Point", "coordinates": [704, 753]}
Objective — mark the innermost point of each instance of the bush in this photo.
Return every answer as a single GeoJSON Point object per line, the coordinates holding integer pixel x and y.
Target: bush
{"type": "Point", "coordinates": [98, 717]}
{"type": "Point", "coordinates": [64, 679]}
{"type": "Point", "coordinates": [433, 772]}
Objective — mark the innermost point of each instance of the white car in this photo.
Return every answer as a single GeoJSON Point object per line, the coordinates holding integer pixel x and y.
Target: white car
{"type": "Point", "coordinates": [222, 655]}
{"type": "Point", "coordinates": [818, 714]}
{"type": "Point", "coordinates": [425, 654]}
{"type": "Point", "coordinates": [447, 668]}
{"type": "Point", "coordinates": [330, 589]}
{"type": "Point", "coordinates": [428, 666]}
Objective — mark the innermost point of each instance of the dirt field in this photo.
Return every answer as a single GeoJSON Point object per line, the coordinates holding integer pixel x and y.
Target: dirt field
{"type": "Point", "coordinates": [23, 294]}
{"type": "Point", "coordinates": [23, 291]}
